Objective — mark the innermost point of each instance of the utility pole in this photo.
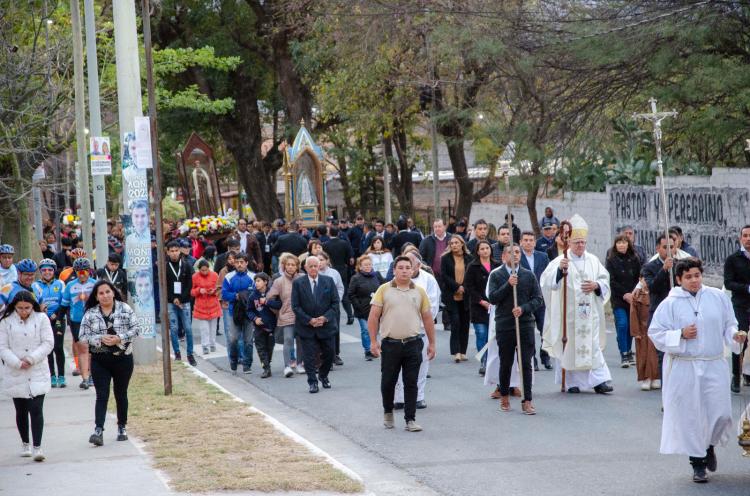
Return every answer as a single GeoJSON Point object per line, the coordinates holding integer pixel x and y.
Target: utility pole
{"type": "Point", "coordinates": [433, 135]}
{"type": "Point", "coordinates": [386, 189]}
{"type": "Point", "coordinates": [162, 263]}
{"type": "Point", "coordinates": [95, 128]}
{"type": "Point", "coordinates": [130, 107]}
{"type": "Point", "coordinates": [80, 105]}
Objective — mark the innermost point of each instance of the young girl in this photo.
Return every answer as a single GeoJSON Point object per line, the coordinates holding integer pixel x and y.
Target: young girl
{"type": "Point", "coordinates": [381, 258]}
{"type": "Point", "coordinates": [260, 313]}
{"type": "Point", "coordinates": [207, 309]}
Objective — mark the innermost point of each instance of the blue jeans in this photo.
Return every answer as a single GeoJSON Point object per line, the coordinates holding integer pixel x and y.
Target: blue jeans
{"type": "Point", "coordinates": [243, 334]}
{"type": "Point", "coordinates": [622, 325]}
{"type": "Point", "coordinates": [227, 319]}
{"type": "Point", "coordinates": [364, 334]}
{"type": "Point", "coordinates": [481, 331]}
{"type": "Point", "coordinates": [180, 317]}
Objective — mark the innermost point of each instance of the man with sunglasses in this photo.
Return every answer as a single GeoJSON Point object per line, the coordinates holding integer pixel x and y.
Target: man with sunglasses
{"type": "Point", "coordinates": [77, 291]}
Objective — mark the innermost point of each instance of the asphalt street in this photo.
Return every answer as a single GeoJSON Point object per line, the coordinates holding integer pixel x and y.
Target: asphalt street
{"type": "Point", "coordinates": [577, 444]}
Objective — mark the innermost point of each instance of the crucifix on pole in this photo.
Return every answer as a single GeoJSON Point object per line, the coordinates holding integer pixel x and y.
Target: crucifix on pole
{"type": "Point", "coordinates": [655, 118]}
{"type": "Point", "coordinates": [505, 167]}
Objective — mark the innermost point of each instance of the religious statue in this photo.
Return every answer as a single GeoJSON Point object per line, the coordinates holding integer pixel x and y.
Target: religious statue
{"type": "Point", "coordinates": [305, 196]}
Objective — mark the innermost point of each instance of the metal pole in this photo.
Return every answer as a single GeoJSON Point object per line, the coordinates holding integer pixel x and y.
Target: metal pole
{"type": "Point", "coordinates": [161, 261]}
{"type": "Point", "coordinates": [387, 191]}
{"type": "Point", "coordinates": [506, 169]}
{"type": "Point", "coordinates": [95, 128]}
{"type": "Point", "coordinates": [433, 137]}
{"type": "Point", "coordinates": [80, 106]}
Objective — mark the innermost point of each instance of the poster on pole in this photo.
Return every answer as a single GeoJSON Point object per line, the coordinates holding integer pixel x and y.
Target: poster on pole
{"type": "Point", "coordinates": [101, 159]}
{"type": "Point", "coordinates": [138, 255]}
{"type": "Point", "coordinates": [143, 143]}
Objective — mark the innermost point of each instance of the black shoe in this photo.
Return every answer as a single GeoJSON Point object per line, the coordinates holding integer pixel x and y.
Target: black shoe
{"type": "Point", "coordinates": [337, 360]}
{"type": "Point", "coordinates": [603, 388]}
{"type": "Point", "coordinates": [122, 433]}
{"type": "Point", "coordinates": [246, 369]}
{"type": "Point", "coordinates": [218, 333]}
{"type": "Point", "coordinates": [699, 474]}
{"type": "Point", "coordinates": [191, 361]}
{"type": "Point", "coordinates": [84, 384]}
{"type": "Point", "coordinates": [177, 357]}
{"type": "Point", "coordinates": [325, 383]}
{"type": "Point", "coordinates": [429, 376]}
{"type": "Point", "coordinates": [536, 365]}
{"type": "Point", "coordinates": [421, 405]}
{"type": "Point", "coordinates": [482, 370]}
{"type": "Point", "coordinates": [266, 373]}
{"type": "Point", "coordinates": [624, 360]}
{"type": "Point", "coordinates": [368, 356]}
{"type": "Point", "coordinates": [574, 390]}
{"type": "Point", "coordinates": [735, 384]}
{"type": "Point", "coordinates": [547, 365]}
{"type": "Point", "coordinates": [746, 380]}
{"type": "Point", "coordinates": [350, 321]}
{"type": "Point", "coordinates": [97, 438]}
{"type": "Point", "coordinates": [314, 388]}
{"type": "Point", "coordinates": [398, 406]}
{"type": "Point", "coordinates": [711, 463]}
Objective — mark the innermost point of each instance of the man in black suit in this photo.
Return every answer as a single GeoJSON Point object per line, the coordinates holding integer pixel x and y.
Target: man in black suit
{"type": "Point", "coordinates": [315, 302]}
{"type": "Point", "coordinates": [404, 236]}
{"type": "Point", "coordinates": [536, 262]}
{"type": "Point", "coordinates": [342, 257]}
{"type": "Point", "coordinates": [265, 246]}
{"type": "Point", "coordinates": [500, 293]}
{"type": "Point", "coordinates": [737, 280]}
{"type": "Point", "coordinates": [291, 242]}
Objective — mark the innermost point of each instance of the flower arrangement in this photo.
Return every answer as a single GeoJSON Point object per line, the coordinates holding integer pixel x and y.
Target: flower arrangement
{"type": "Point", "coordinates": [210, 224]}
{"type": "Point", "coordinates": [71, 220]}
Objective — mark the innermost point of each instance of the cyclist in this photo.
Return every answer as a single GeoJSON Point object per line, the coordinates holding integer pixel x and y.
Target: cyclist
{"type": "Point", "coordinates": [50, 292]}
{"type": "Point", "coordinates": [8, 272]}
{"type": "Point", "coordinates": [76, 292]}
{"type": "Point", "coordinates": [26, 270]}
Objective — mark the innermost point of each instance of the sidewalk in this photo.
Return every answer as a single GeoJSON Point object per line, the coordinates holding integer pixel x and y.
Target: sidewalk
{"type": "Point", "coordinates": [73, 466]}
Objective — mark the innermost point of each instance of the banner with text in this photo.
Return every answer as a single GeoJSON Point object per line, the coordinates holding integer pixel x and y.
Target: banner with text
{"type": "Point", "coordinates": [138, 257]}
{"type": "Point", "coordinates": [710, 218]}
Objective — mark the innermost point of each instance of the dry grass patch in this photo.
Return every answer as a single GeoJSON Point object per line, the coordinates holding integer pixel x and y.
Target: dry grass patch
{"type": "Point", "coordinates": [206, 441]}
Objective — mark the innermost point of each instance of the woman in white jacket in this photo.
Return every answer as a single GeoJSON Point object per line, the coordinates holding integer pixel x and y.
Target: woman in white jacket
{"type": "Point", "coordinates": [25, 341]}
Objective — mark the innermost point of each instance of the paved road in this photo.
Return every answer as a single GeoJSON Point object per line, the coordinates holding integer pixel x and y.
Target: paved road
{"type": "Point", "coordinates": [577, 444]}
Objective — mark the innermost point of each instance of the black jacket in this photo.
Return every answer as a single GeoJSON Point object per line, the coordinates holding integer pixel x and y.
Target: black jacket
{"type": "Point", "coordinates": [265, 248]}
{"type": "Point", "coordinates": [737, 279]}
{"type": "Point", "coordinates": [340, 252]}
{"type": "Point", "coordinates": [475, 283]}
{"type": "Point", "coordinates": [403, 237]}
{"type": "Point", "coordinates": [427, 249]}
{"type": "Point", "coordinates": [325, 302]}
{"type": "Point", "coordinates": [361, 289]}
{"type": "Point", "coordinates": [185, 270]}
{"type": "Point", "coordinates": [657, 280]}
{"type": "Point", "coordinates": [501, 294]}
{"type": "Point", "coordinates": [120, 280]}
{"type": "Point", "coordinates": [623, 276]}
{"type": "Point", "coordinates": [448, 276]}
{"type": "Point", "coordinates": [355, 236]}
{"type": "Point", "coordinates": [293, 243]}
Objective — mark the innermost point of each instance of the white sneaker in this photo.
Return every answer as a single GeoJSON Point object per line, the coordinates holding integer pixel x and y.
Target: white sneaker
{"type": "Point", "coordinates": [646, 385]}
{"type": "Point", "coordinates": [26, 450]}
{"type": "Point", "coordinates": [38, 455]}
{"type": "Point", "coordinates": [288, 372]}
{"type": "Point", "coordinates": [656, 384]}
{"type": "Point", "coordinates": [301, 369]}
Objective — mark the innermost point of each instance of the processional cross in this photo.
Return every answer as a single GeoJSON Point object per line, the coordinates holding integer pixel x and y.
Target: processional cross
{"type": "Point", "coordinates": [656, 118]}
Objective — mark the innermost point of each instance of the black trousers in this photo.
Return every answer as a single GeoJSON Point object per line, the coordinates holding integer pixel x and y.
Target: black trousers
{"type": "Point", "coordinates": [699, 462]}
{"type": "Point", "coordinates": [344, 273]}
{"type": "Point", "coordinates": [539, 317]}
{"type": "Point", "coordinates": [506, 342]}
{"type": "Point", "coordinates": [264, 343]}
{"type": "Point", "coordinates": [460, 321]}
{"type": "Point", "coordinates": [107, 368]}
{"type": "Point", "coordinates": [30, 408]}
{"type": "Point", "coordinates": [57, 355]}
{"type": "Point", "coordinates": [405, 358]}
{"type": "Point", "coordinates": [743, 316]}
{"type": "Point", "coordinates": [312, 347]}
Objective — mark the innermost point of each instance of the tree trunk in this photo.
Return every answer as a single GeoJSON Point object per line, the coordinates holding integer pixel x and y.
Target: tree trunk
{"type": "Point", "coordinates": [346, 190]}
{"type": "Point", "coordinates": [405, 169]}
{"type": "Point", "coordinates": [241, 131]}
{"type": "Point", "coordinates": [461, 175]}
{"type": "Point", "coordinates": [532, 191]}
{"type": "Point", "coordinates": [295, 94]}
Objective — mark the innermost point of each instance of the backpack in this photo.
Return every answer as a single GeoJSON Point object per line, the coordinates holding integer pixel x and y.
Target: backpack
{"type": "Point", "coordinates": [239, 316]}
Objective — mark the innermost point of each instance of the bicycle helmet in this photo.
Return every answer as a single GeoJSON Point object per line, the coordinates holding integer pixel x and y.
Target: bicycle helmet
{"type": "Point", "coordinates": [78, 253]}
{"type": "Point", "coordinates": [48, 263]}
{"type": "Point", "coordinates": [26, 265]}
{"type": "Point", "coordinates": [81, 264]}
{"type": "Point", "coordinates": [7, 250]}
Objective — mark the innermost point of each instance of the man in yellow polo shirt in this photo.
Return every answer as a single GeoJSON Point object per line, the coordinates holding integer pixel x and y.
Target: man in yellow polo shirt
{"type": "Point", "coordinates": [399, 310]}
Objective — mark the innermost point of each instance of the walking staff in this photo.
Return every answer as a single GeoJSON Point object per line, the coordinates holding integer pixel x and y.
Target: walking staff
{"type": "Point", "coordinates": [506, 172]}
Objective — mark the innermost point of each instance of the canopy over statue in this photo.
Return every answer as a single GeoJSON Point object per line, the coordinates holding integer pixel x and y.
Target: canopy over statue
{"type": "Point", "coordinates": [198, 178]}
{"type": "Point", "coordinates": [304, 180]}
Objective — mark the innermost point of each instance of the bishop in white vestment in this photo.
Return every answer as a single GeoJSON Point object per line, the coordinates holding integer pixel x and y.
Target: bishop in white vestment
{"type": "Point", "coordinates": [587, 292]}
{"type": "Point", "coordinates": [692, 326]}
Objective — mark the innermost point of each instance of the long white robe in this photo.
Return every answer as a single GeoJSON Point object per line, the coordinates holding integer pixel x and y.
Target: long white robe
{"type": "Point", "coordinates": [695, 374]}
{"type": "Point", "coordinates": [426, 281]}
{"type": "Point", "coordinates": [582, 358]}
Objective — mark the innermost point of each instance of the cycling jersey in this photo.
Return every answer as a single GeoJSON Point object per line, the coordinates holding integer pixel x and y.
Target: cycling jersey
{"type": "Point", "coordinates": [8, 275]}
{"type": "Point", "coordinates": [50, 294]}
{"type": "Point", "coordinates": [75, 296]}
{"type": "Point", "coordinates": [9, 291]}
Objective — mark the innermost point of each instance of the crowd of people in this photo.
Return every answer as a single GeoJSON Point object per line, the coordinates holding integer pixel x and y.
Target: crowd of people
{"type": "Point", "coordinates": [286, 284]}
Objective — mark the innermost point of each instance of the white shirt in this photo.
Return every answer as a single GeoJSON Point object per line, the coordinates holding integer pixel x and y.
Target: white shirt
{"type": "Point", "coordinates": [530, 260]}
{"type": "Point", "coordinates": [313, 282]}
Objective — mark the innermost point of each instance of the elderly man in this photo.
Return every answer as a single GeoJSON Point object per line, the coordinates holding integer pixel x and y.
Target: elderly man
{"type": "Point", "coordinates": [587, 283]}
{"type": "Point", "coordinates": [315, 302]}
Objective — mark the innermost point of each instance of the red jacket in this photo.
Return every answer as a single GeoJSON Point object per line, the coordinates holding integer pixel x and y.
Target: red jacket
{"type": "Point", "coordinates": [206, 305]}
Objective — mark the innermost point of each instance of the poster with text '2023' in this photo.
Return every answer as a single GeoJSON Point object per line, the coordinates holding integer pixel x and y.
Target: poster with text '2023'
{"type": "Point", "coordinates": [710, 217]}
{"type": "Point", "coordinates": [138, 257]}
